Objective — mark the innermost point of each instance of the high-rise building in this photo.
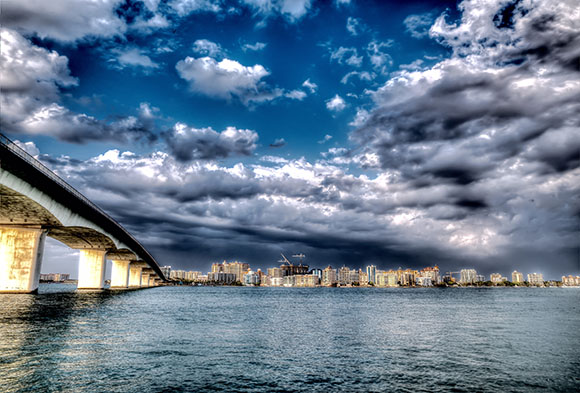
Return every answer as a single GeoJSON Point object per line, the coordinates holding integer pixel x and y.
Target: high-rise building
{"type": "Point", "coordinates": [432, 273]}
{"type": "Point", "coordinates": [371, 274]}
{"type": "Point", "coordinates": [571, 281]}
{"type": "Point", "coordinates": [275, 272]}
{"type": "Point", "coordinates": [166, 270]}
{"type": "Point", "coordinates": [251, 278]}
{"type": "Point", "coordinates": [517, 277]}
{"type": "Point", "coordinates": [329, 276]}
{"type": "Point", "coordinates": [468, 276]}
{"type": "Point", "coordinates": [363, 278]}
{"type": "Point", "coordinates": [344, 276]}
{"type": "Point", "coordinates": [536, 279]}
{"type": "Point", "coordinates": [496, 278]}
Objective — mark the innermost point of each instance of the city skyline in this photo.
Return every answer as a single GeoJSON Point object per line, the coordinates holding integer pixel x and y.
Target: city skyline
{"type": "Point", "coordinates": [417, 134]}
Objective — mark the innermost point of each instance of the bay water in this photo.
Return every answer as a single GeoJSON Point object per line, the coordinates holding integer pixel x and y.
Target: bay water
{"type": "Point", "coordinates": [255, 339]}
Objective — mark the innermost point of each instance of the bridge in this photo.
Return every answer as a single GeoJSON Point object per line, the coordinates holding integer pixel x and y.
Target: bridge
{"type": "Point", "coordinates": [35, 203]}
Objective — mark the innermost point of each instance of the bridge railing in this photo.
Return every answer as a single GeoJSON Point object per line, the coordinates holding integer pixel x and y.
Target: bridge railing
{"type": "Point", "coordinates": [20, 152]}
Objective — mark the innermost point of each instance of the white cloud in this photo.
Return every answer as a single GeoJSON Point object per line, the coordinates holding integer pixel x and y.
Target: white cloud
{"type": "Point", "coordinates": [208, 48]}
{"type": "Point", "coordinates": [291, 10]}
{"type": "Point", "coordinates": [378, 57]}
{"type": "Point", "coordinates": [354, 26]}
{"type": "Point", "coordinates": [29, 147]}
{"type": "Point", "coordinates": [363, 76]}
{"type": "Point", "coordinates": [335, 104]}
{"type": "Point", "coordinates": [186, 7]}
{"type": "Point", "coordinates": [360, 118]}
{"type": "Point", "coordinates": [63, 20]}
{"type": "Point", "coordinates": [310, 85]}
{"type": "Point", "coordinates": [226, 79]}
{"type": "Point", "coordinates": [296, 95]}
{"type": "Point", "coordinates": [134, 57]}
{"type": "Point", "coordinates": [258, 46]}
{"type": "Point", "coordinates": [347, 56]}
{"type": "Point", "coordinates": [325, 139]}
{"type": "Point", "coordinates": [418, 25]}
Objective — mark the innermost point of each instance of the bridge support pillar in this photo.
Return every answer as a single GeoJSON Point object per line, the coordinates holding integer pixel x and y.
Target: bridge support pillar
{"type": "Point", "coordinates": [92, 269]}
{"type": "Point", "coordinates": [144, 280]}
{"type": "Point", "coordinates": [20, 259]}
{"type": "Point", "coordinates": [135, 275]}
{"type": "Point", "coordinates": [120, 274]}
{"type": "Point", "coordinates": [151, 281]}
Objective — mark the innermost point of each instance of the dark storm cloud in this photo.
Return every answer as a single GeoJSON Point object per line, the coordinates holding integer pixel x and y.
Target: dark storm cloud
{"type": "Point", "coordinates": [188, 143]}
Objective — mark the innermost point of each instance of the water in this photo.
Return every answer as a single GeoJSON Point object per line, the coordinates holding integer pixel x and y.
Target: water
{"type": "Point", "coordinates": [196, 339]}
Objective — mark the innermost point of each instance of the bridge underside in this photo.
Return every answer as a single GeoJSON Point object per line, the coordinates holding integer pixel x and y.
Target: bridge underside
{"type": "Point", "coordinates": [24, 224]}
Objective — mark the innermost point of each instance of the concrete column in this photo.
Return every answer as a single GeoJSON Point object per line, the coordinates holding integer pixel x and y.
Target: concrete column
{"type": "Point", "coordinates": [92, 265]}
{"type": "Point", "coordinates": [151, 281]}
{"type": "Point", "coordinates": [20, 259]}
{"type": "Point", "coordinates": [135, 275]}
{"type": "Point", "coordinates": [144, 280]}
{"type": "Point", "coordinates": [120, 274]}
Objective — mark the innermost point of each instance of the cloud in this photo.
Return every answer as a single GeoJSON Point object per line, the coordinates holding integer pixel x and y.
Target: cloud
{"type": "Point", "coordinates": [278, 143]}
{"type": "Point", "coordinates": [29, 147]}
{"type": "Point", "coordinates": [363, 76]}
{"type": "Point", "coordinates": [310, 86]}
{"type": "Point", "coordinates": [418, 24]}
{"type": "Point", "coordinates": [134, 57]}
{"type": "Point", "coordinates": [335, 104]}
{"type": "Point", "coordinates": [348, 56]}
{"type": "Point", "coordinates": [63, 20]}
{"type": "Point", "coordinates": [258, 46]}
{"type": "Point", "coordinates": [380, 60]}
{"type": "Point", "coordinates": [186, 7]}
{"type": "Point", "coordinates": [296, 95]}
{"type": "Point", "coordinates": [291, 10]}
{"type": "Point", "coordinates": [188, 143]}
{"type": "Point", "coordinates": [354, 26]}
{"type": "Point", "coordinates": [495, 126]}
{"type": "Point", "coordinates": [227, 79]}
{"type": "Point", "coordinates": [325, 139]}
{"type": "Point", "coordinates": [208, 48]}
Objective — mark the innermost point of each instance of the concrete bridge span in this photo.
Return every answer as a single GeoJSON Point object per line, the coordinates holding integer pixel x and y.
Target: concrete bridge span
{"type": "Point", "coordinates": [35, 203]}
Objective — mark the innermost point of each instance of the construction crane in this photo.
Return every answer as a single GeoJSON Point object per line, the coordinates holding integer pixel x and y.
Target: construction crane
{"type": "Point", "coordinates": [285, 260]}
{"type": "Point", "coordinates": [301, 256]}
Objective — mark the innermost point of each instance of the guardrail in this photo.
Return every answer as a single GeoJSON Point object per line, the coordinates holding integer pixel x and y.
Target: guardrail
{"type": "Point", "coordinates": [20, 152]}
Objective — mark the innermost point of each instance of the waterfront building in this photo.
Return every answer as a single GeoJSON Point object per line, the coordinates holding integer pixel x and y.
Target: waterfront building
{"type": "Point", "coordinates": [306, 280]}
{"type": "Point", "coordinates": [517, 277]}
{"type": "Point", "coordinates": [479, 278]}
{"type": "Point", "coordinates": [381, 278]}
{"type": "Point", "coordinates": [329, 276]}
{"type": "Point", "coordinates": [496, 278]}
{"type": "Point", "coordinates": [406, 277]}
{"type": "Point", "coordinates": [468, 276]}
{"type": "Point", "coordinates": [275, 272]}
{"type": "Point", "coordinates": [363, 278]}
{"type": "Point", "coordinates": [317, 273]}
{"type": "Point", "coordinates": [276, 281]}
{"type": "Point", "coordinates": [221, 278]}
{"type": "Point", "coordinates": [251, 278]}
{"type": "Point", "coordinates": [292, 270]}
{"type": "Point", "coordinates": [571, 281]}
{"type": "Point", "coordinates": [354, 276]}
{"type": "Point", "coordinates": [536, 279]}
{"type": "Point", "coordinates": [238, 269]}
{"type": "Point", "coordinates": [371, 274]}
{"type": "Point", "coordinates": [432, 273]}
{"type": "Point", "coordinates": [289, 281]}
{"type": "Point", "coordinates": [344, 276]}
{"type": "Point", "coordinates": [55, 277]}
{"type": "Point", "coordinates": [166, 270]}
{"type": "Point", "coordinates": [424, 281]}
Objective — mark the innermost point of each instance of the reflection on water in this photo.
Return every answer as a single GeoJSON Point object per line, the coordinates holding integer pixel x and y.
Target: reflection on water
{"type": "Point", "coordinates": [290, 339]}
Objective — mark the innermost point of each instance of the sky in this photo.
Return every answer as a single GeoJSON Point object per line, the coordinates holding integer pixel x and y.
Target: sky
{"type": "Point", "coordinates": [356, 132]}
